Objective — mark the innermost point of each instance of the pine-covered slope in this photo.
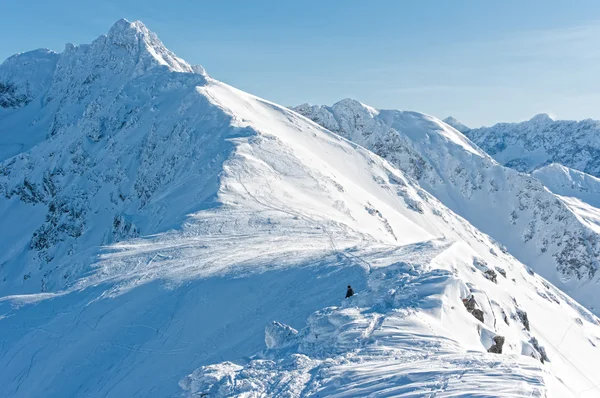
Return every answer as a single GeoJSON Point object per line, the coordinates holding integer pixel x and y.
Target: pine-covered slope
{"type": "Point", "coordinates": [168, 219]}
{"type": "Point", "coordinates": [513, 208]}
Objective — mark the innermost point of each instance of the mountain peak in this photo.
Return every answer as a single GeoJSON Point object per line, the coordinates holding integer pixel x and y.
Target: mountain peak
{"type": "Point", "coordinates": [350, 103]}
{"type": "Point", "coordinates": [137, 39]}
{"type": "Point", "coordinates": [124, 32]}
{"type": "Point", "coordinates": [122, 24]}
{"type": "Point", "coordinates": [542, 118]}
{"type": "Point", "coordinates": [456, 124]}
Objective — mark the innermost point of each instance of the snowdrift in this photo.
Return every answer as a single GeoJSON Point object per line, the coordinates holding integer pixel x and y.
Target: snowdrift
{"type": "Point", "coordinates": [156, 222]}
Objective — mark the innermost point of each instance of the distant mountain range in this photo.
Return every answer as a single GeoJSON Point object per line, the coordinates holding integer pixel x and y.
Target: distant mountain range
{"type": "Point", "coordinates": [165, 234]}
{"type": "Point", "coordinates": [538, 142]}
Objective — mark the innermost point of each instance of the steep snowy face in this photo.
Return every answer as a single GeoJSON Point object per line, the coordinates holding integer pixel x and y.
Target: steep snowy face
{"type": "Point", "coordinates": [540, 141]}
{"type": "Point", "coordinates": [579, 191]}
{"type": "Point", "coordinates": [130, 141]}
{"type": "Point", "coordinates": [455, 124]}
{"type": "Point", "coordinates": [409, 333]}
{"type": "Point", "coordinates": [23, 77]}
{"type": "Point", "coordinates": [514, 208]}
{"type": "Point", "coordinates": [155, 220]}
{"type": "Point", "coordinates": [569, 182]}
{"type": "Point", "coordinates": [110, 134]}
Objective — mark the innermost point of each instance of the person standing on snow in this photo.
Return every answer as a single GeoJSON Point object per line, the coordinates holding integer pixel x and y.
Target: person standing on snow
{"type": "Point", "coordinates": [349, 292]}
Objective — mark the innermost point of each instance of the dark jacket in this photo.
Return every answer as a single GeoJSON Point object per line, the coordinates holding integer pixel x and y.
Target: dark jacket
{"type": "Point", "coordinates": [349, 292]}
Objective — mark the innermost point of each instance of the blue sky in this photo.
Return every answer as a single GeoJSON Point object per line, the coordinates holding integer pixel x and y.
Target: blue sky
{"type": "Point", "coordinates": [479, 61]}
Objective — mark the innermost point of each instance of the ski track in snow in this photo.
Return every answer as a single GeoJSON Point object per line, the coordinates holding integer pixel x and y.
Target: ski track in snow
{"type": "Point", "coordinates": [178, 223]}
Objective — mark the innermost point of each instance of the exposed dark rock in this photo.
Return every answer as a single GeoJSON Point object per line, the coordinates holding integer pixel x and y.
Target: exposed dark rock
{"type": "Point", "coordinates": [65, 218]}
{"type": "Point", "coordinates": [470, 305]}
{"type": "Point", "coordinates": [491, 275]}
{"type": "Point", "coordinates": [28, 192]}
{"type": "Point", "coordinates": [523, 318]}
{"type": "Point", "coordinates": [541, 350]}
{"type": "Point", "coordinates": [9, 98]}
{"type": "Point", "coordinates": [482, 266]}
{"type": "Point", "coordinates": [496, 348]}
{"type": "Point", "coordinates": [501, 271]}
{"type": "Point", "coordinates": [478, 314]}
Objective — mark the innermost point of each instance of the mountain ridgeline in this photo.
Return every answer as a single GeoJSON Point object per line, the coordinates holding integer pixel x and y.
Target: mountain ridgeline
{"type": "Point", "coordinates": [513, 208]}
{"type": "Point", "coordinates": [164, 233]}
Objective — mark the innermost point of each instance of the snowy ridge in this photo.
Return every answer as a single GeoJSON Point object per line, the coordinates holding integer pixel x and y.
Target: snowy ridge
{"type": "Point", "coordinates": [156, 221]}
{"type": "Point", "coordinates": [569, 182]}
{"type": "Point", "coordinates": [579, 191]}
{"type": "Point", "coordinates": [540, 141]}
{"type": "Point", "coordinates": [408, 333]}
{"type": "Point", "coordinates": [455, 124]}
{"type": "Point", "coordinates": [513, 208]}
{"type": "Point", "coordinates": [23, 77]}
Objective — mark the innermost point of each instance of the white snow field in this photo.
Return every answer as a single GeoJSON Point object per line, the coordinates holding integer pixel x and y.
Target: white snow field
{"type": "Point", "coordinates": [578, 190]}
{"type": "Point", "coordinates": [165, 234]}
{"type": "Point", "coordinates": [514, 208]}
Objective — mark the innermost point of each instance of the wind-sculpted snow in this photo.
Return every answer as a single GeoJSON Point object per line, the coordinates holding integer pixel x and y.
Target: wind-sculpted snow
{"type": "Point", "coordinates": [156, 221]}
{"type": "Point", "coordinates": [515, 209]}
{"type": "Point", "coordinates": [569, 182]}
{"type": "Point", "coordinates": [456, 124]}
{"type": "Point", "coordinates": [540, 141]}
{"type": "Point", "coordinates": [407, 333]}
{"type": "Point", "coordinates": [579, 191]}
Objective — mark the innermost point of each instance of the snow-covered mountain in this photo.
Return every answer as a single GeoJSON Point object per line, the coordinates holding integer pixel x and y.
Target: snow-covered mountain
{"type": "Point", "coordinates": [579, 191]}
{"type": "Point", "coordinates": [456, 124]}
{"type": "Point", "coordinates": [514, 208]}
{"type": "Point", "coordinates": [568, 182]}
{"type": "Point", "coordinates": [540, 141]}
{"type": "Point", "coordinates": [157, 221]}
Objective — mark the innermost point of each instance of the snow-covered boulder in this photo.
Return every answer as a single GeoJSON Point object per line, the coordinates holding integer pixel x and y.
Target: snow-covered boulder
{"type": "Point", "coordinates": [278, 335]}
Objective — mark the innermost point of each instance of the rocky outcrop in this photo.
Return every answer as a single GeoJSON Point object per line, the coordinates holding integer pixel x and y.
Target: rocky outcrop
{"type": "Point", "coordinates": [522, 316]}
{"type": "Point", "coordinates": [470, 305]}
{"type": "Point", "coordinates": [496, 348]}
{"type": "Point", "coordinates": [543, 357]}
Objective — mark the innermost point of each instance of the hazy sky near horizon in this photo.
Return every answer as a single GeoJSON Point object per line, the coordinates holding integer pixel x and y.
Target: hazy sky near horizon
{"type": "Point", "coordinates": [480, 61]}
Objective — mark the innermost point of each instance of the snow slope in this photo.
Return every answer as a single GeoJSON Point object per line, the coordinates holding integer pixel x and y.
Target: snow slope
{"type": "Point", "coordinates": [408, 334]}
{"type": "Point", "coordinates": [513, 208]}
{"type": "Point", "coordinates": [540, 141]}
{"type": "Point", "coordinates": [161, 220]}
{"type": "Point", "coordinates": [579, 191]}
{"type": "Point", "coordinates": [569, 182]}
{"type": "Point", "coordinates": [455, 124]}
